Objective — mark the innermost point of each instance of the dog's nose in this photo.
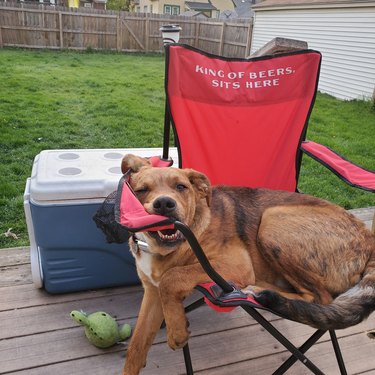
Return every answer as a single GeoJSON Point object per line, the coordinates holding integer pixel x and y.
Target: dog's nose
{"type": "Point", "coordinates": [164, 205]}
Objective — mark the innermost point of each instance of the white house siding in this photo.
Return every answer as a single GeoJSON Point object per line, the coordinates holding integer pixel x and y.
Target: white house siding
{"type": "Point", "coordinates": [344, 36]}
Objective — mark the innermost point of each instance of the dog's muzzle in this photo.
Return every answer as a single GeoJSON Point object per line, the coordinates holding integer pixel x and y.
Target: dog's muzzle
{"type": "Point", "coordinates": [164, 206]}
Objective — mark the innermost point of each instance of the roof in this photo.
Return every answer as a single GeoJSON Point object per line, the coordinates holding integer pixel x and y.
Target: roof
{"type": "Point", "coordinates": [249, 3]}
{"type": "Point", "coordinates": [194, 13]}
{"type": "Point", "coordinates": [199, 6]}
{"type": "Point", "coordinates": [309, 3]}
{"type": "Point", "coordinates": [228, 14]}
{"type": "Point", "coordinates": [223, 4]}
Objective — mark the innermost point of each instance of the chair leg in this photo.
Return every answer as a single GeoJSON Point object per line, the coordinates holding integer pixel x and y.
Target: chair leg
{"type": "Point", "coordinates": [187, 358]}
{"type": "Point", "coordinates": [336, 347]}
{"type": "Point", "coordinates": [303, 349]}
{"type": "Point", "coordinates": [297, 353]}
{"type": "Point", "coordinates": [282, 339]}
{"type": "Point", "coordinates": [194, 305]}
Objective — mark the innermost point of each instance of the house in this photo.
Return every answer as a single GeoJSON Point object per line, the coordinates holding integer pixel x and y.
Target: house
{"type": "Point", "coordinates": [205, 8]}
{"type": "Point", "coordinates": [195, 14]}
{"type": "Point", "coordinates": [223, 5]}
{"type": "Point", "coordinates": [342, 30]}
{"type": "Point", "coordinates": [173, 7]}
{"type": "Point", "coordinates": [244, 8]}
{"type": "Point", "coordinates": [96, 4]}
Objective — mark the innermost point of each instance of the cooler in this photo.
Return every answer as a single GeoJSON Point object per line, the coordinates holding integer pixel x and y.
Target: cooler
{"type": "Point", "coordinates": [68, 251]}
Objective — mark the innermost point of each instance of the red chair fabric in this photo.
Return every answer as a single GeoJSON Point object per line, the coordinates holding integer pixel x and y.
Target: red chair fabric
{"type": "Point", "coordinates": [241, 121]}
{"type": "Point", "coordinates": [218, 304]}
{"type": "Point", "coordinates": [346, 170]}
{"type": "Point", "coordinates": [129, 211]}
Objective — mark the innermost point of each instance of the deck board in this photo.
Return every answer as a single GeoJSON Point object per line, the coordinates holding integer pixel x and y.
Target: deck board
{"type": "Point", "coordinates": [37, 336]}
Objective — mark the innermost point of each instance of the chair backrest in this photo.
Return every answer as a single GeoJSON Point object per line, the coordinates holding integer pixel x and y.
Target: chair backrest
{"type": "Point", "coordinates": [241, 121]}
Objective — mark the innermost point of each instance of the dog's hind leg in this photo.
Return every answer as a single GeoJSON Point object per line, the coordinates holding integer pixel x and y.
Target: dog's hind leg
{"type": "Point", "coordinates": [300, 244]}
{"type": "Point", "coordinates": [325, 250]}
{"type": "Point", "coordinates": [287, 293]}
{"type": "Point", "coordinates": [148, 324]}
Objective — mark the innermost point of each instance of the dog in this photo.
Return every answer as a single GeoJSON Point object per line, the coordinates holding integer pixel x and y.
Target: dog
{"type": "Point", "coordinates": [301, 256]}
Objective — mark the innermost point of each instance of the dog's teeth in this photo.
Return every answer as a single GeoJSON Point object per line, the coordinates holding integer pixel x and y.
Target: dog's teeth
{"type": "Point", "coordinates": [167, 237]}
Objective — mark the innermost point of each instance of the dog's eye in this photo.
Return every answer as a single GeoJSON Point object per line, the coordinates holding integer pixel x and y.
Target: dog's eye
{"type": "Point", "coordinates": [141, 190]}
{"type": "Point", "coordinates": [180, 187]}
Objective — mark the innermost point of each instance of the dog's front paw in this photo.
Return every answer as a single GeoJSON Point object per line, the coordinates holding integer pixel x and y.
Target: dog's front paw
{"type": "Point", "coordinates": [178, 338]}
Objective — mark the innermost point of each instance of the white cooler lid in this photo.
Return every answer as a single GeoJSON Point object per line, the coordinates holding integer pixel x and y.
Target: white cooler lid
{"type": "Point", "coordinates": [65, 175]}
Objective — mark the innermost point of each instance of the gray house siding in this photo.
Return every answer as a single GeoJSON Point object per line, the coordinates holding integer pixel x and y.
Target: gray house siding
{"type": "Point", "coordinates": [344, 35]}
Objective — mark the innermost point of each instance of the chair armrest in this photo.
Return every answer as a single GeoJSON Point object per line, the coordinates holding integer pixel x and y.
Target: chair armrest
{"type": "Point", "coordinates": [349, 172]}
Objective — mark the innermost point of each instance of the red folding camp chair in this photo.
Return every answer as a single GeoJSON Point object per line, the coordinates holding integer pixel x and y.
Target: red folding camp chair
{"type": "Point", "coordinates": [240, 122]}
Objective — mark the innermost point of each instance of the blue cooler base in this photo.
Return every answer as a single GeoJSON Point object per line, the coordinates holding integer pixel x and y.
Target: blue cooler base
{"type": "Point", "coordinates": [74, 254]}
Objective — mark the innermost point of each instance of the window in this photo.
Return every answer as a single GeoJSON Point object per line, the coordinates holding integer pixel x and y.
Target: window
{"type": "Point", "coordinates": [172, 9]}
{"type": "Point", "coordinates": [145, 9]}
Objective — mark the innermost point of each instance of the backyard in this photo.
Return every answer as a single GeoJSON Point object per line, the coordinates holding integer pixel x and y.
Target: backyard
{"type": "Point", "coordinates": [64, 100]}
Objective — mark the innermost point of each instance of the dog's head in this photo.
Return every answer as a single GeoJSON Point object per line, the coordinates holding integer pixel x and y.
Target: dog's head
{"type": "Point", "coordinates": [182, 194]}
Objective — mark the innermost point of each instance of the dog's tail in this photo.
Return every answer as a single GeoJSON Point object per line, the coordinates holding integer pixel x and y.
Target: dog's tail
{"type": "Point", "coordinates": [347, 309]}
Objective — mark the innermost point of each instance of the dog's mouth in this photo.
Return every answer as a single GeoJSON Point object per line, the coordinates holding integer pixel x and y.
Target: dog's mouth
{"type": "Point", "coordinates": [167, 237]}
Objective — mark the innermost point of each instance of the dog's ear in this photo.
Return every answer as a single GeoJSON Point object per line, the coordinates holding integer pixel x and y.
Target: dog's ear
{"type": "Point", "coordinates": [201, 184]}
{"type": "Point", "coordinates": [134, 163]}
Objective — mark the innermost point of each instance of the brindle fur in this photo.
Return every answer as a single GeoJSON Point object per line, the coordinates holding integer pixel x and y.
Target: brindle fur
{"type": "Point", "coordinates": [303, 257]}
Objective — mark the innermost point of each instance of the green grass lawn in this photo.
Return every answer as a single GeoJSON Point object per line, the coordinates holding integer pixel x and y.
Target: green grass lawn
{"type": "Point", "coordinates": [60, 100]}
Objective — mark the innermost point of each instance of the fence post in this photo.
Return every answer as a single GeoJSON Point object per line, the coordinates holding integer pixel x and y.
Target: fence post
{"type": "Point", "coordinates": [1, 39]}
{"type": "Point", "coordinates": [118, 34]}
{"type": "Point", "coordinates": [222, 36]}
{"type": "Point", "coordinates": [42, 9]}
{"type": "Point", "coordinates": [196, 39]}
{"type": "Point", "coordinates": [61, 31]}
{"type": "Point", "coordinates": [147, 33]}
{"type": "Point", "coordinates": [249, 36]}
{"type": "Point", "coordinates": [23, 16]}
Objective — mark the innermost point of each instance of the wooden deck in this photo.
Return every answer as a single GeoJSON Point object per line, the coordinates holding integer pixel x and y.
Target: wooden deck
{"type": "Point", "coordinates": [37, 336]}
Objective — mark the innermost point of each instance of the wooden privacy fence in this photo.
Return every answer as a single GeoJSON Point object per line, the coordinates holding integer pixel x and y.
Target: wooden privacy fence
{"type": "Point", "coordinates": [40, 26]}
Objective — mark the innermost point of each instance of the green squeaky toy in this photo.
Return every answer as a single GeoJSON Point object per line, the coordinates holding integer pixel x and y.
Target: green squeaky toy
{"type": "Point", "coordinates": [101, 329]}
